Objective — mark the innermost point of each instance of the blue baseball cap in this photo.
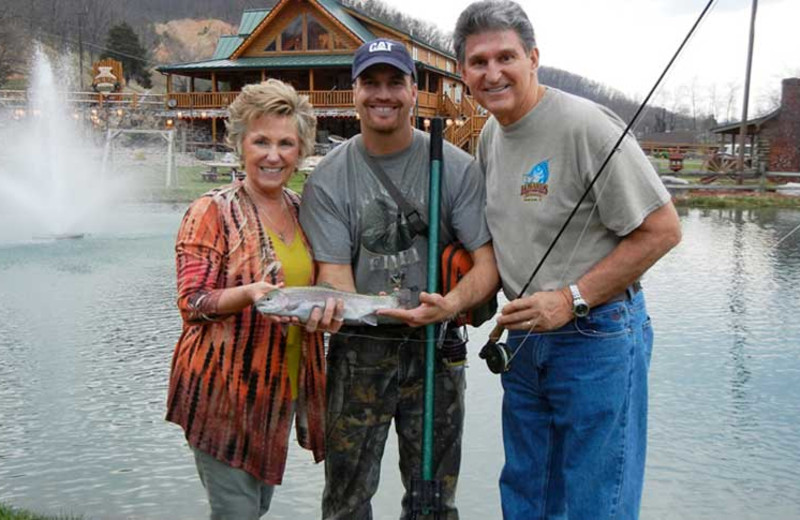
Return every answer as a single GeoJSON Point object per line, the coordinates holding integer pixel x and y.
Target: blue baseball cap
{"type": "Point", "coordinates": [385, 51]}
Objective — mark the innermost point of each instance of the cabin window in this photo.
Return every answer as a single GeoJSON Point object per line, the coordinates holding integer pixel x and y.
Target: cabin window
{"type": "Point", "coordinates": [433, 83]}
{"type": "Point", "coordinates": [339, 42]}
{"type": "Point", "coordinates": [449, 65]}
{"type": "Point", "coordinates": [292, 36]}
{"type": "Point", "coordinates": [318, 36]}
{"type": "Point", "coordinates": [415, 53]}
{"type": "Point", "coordinates": [270, 46]}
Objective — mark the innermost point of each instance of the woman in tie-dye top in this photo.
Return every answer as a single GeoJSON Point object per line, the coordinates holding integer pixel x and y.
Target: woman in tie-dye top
{"type": "Point", "coordinates": [239, 378]}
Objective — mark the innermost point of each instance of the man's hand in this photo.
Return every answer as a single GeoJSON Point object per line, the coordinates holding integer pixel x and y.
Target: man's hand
{"type": "Point", "coordinates": [542, 311]}
{"type": "Point", "coordinates": [329, 319]}
{"type": "Point", "coordinates": [433, 308]}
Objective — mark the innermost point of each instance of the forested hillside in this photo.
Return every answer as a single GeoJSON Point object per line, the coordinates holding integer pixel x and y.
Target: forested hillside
{"type": "Point", "coordinates": [185, 30]}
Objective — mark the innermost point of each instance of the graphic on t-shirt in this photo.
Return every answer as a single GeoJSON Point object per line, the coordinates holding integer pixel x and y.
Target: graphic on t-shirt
{"type": "Point", "coordinates": [387, 242]}
{"type": "Point", "coordinates": [534, 183]}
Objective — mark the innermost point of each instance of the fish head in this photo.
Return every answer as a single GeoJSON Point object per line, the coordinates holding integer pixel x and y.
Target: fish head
{"type": "Point", "coordinates": [273, 302]}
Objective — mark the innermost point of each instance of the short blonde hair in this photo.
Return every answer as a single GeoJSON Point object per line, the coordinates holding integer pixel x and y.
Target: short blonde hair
{"type": "Point", "coordinates": [271, 97]}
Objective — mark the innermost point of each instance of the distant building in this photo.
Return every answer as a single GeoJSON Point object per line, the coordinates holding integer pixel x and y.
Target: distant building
{"type": "Point", "coordinates": [310, 44]}
{"type": "Point", "coordinates": [775, 137]}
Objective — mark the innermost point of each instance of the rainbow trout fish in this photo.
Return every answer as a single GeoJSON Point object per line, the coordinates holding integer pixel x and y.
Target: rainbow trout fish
{"type": "Point", "coordinates": [359, 309]}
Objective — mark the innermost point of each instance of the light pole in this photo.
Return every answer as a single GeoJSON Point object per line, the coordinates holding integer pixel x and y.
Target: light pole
{"type": "Point", "coordinates": [743, 128]}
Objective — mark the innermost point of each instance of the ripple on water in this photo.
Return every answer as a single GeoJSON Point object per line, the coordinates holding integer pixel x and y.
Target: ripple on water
{"type": "Point", "coordinates": [85, 352]}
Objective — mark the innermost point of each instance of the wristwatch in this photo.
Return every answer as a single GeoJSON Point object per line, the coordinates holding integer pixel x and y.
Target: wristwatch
{"type": "Point", "coordinates": [579, 306]}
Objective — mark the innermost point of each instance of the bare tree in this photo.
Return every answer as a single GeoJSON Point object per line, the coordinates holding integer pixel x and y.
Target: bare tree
{"type": "Point", "coordinates": [11, 45]}
{"type": "Point", "coordinates": [731, 100]}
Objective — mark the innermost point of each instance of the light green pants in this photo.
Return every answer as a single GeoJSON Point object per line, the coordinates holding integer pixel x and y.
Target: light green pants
{"type": "Point", "coordinates": [233, 494]}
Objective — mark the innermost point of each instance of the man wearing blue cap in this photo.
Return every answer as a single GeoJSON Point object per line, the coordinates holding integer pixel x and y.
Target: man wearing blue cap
{"type": "Point", "coordinates": [363, 242]}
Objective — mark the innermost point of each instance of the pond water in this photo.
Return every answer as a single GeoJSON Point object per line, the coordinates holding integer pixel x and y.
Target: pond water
{"type": "Point", "coordinates": [87, 329]}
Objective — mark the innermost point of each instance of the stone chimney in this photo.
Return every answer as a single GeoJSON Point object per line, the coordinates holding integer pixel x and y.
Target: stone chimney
{"type": "Point", "coordinates": [783, 134]}
{"type": "Point", "coordinates": [790, 99]}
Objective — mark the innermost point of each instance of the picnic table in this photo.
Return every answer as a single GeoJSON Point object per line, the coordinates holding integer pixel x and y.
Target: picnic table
{"type": "Point", "coordinates": [217, 168]}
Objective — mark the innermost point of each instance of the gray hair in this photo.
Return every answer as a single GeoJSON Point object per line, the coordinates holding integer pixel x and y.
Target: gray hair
{"type": "Point", "coordinates": [271, 97]}
{"type": "Point", "coordinates": [492, 15]}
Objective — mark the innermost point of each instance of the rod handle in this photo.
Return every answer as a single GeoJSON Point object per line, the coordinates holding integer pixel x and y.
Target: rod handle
{"type": "Point", "coordinates": [497, 331]}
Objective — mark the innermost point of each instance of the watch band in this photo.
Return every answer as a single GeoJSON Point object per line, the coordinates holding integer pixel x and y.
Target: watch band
{"type": "Point", "coordinates": [579, 306]}
{"type": "Point", "coordinates": [576, 294]}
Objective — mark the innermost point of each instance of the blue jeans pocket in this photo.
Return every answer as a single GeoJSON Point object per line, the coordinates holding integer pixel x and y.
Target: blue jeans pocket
{"type": "Point", "coordinates": [607, 321]}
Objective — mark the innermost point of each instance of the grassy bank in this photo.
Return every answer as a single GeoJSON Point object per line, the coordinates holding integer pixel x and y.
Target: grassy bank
{"type": "Point", "coordinates": [10, 513]}
{"type": "Point", "coordinates": [735, 199]}
{"type": "Point", "coordinates": [190, 185]}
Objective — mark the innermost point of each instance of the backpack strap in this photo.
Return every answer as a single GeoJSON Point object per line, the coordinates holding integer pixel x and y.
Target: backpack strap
{"type": "Point", "coordinates": [415, 219]}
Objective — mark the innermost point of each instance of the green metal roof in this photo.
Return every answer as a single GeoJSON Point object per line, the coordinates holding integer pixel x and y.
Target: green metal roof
{"type": "Point", "coordinates": [338, 12]}
{"type": "Point", "coordinates": [409, 35]}
{"type": "Point", "coordinates": [225, 46]}
{"type": "Point", "coordinates": [264, 62]}
{"type": "Point", "coordinates": [250, 20]}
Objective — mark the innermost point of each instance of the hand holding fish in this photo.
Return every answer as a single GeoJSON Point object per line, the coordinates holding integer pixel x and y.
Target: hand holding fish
{"type": "Point", "coordinates": [330, 319]}
{"type": "Point", "coordinates": [322, 308]}
{"type": "Point", "coordinates": [433, 308]}
{"type": "Point", "coordinates": [542, 311]}
{"type": "Point", "coordinates": [256, 290]}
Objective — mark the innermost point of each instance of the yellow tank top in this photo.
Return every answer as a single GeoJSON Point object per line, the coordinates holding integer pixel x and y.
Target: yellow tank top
{"type": "Point", "coordinates": [297, 271]}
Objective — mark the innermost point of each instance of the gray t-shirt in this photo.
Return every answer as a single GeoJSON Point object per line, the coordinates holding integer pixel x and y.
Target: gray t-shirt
{"type": "Point", "coordinates": [350, 218]}
{"type": "Point", "coordinates": [536, 170]}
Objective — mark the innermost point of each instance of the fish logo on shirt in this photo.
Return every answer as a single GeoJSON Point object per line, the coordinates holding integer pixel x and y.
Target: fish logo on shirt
{"type": "Point", "coordinates": [534, 182]}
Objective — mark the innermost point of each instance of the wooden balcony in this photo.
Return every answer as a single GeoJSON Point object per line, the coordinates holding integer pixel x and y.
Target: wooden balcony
{"type": "Point", "coordinates": [319, 98]}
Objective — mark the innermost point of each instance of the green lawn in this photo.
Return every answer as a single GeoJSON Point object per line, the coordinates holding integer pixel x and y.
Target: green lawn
{"type": "Point", "coordinates": [151, 185]}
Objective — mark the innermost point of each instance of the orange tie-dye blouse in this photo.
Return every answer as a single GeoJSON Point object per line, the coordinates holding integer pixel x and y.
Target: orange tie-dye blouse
{"type": "Point", "coordinates": [229, 387]}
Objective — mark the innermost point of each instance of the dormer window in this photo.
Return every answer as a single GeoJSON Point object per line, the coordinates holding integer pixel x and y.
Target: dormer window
{"type": "Point", "coordinates": [318, 36]}
{"type": "Point", "coordinates": [292, 36]}
{"type": "Point", "coordinates": [306, 33]}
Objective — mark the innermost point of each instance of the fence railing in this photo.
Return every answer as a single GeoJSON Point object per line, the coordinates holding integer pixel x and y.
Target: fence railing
{"type": "Point", "coordinates": [21, 98]}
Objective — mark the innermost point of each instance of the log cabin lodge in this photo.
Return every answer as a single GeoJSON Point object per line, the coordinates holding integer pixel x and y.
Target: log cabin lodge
{"type": "Point", "coordinates": [310, 44]}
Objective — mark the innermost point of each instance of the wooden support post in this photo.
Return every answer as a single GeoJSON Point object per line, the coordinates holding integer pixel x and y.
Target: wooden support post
{"type": "Point", "coordinates": [214, 131]}
{"type": "Point", "coordinates": [263, 75]}
{"type": "Point", "coordinates": [191, 84]}
{"type": "Point", "coordinates": [213, 82]}
{"type": "Point", "coordinates": [169, 83]}
{"type": "Point", "coordinates": [311, 79]}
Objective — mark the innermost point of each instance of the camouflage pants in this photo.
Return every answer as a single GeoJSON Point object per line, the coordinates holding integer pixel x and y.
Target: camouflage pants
{"type": "Point", "coordinates": [370, 382]}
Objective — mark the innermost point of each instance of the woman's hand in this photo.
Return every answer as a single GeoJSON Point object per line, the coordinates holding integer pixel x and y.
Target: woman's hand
{"type": "Point", "coordinates": [257, 290]}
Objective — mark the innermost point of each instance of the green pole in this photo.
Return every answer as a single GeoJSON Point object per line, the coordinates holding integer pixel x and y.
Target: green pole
{"type": "Point", "coordinates": [434, 195]}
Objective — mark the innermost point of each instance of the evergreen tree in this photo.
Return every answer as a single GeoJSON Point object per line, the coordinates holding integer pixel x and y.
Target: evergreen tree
{"type": "Point", "coordinates": [122, 44]}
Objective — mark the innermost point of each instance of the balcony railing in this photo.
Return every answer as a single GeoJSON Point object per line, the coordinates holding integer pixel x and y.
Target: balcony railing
{"type": "Point", "coordinates": [200, 100]}
{"type": "Point", "coordinates": [318, 98]}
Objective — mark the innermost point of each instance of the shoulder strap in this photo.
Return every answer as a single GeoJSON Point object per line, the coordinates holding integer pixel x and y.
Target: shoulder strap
{"type": "Point", "coordinates": [415, 220]}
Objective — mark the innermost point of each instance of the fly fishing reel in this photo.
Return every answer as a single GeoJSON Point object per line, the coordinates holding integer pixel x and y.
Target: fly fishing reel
{"type": "Point", "coordinates": [497, 356]}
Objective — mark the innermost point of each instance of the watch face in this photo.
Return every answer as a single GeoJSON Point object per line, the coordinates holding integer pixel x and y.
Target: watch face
{"type": "Point", "coordinates": [581, 309]}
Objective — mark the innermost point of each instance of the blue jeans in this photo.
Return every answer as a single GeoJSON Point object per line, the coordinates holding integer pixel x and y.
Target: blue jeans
{"type": "Point", "coordinates": [575, 417]}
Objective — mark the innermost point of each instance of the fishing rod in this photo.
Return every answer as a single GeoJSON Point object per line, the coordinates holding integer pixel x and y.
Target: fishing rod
{"type": "Point", "coordinates": [495, 353]}
{"type": "Point", "coordinates": [426, 492]}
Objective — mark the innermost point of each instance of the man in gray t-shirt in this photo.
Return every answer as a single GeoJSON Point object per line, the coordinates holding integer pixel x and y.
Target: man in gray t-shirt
{"type": "Point", "coordinates": [362, 242]}
{"type": "Point", "coordinates": [575, 393]}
